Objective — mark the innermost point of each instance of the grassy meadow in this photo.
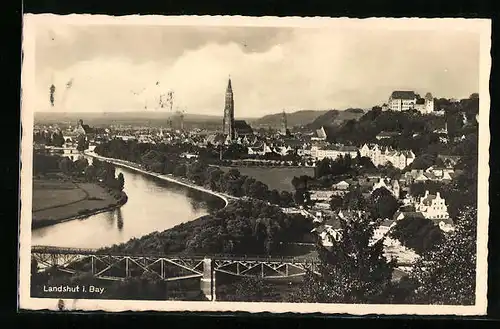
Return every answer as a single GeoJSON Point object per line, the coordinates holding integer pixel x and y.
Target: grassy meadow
{"type": "Point", "coordinates": [279, 178]}
{"type": "Point", "coordinates": [55, 200]}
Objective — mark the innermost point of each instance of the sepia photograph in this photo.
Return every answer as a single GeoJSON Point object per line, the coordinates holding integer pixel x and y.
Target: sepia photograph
{"type": "Point", "coordinates": [254, 164]}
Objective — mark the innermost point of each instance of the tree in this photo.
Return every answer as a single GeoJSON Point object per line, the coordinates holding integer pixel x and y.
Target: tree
{"type": "Point", "coordinates": [81, 164]}
{"type": "Point", "coordinates": [323, 168]}
{"type": "Point", "coordinates": [121, 181]}
{"type": "Point", "coordinates": [447, 275]}
{"type": "Point", "coordinates": [335, 202]}
{"type": "Point", "coordinates": [353, 270]}
{"type": "Point", "coordinates": [423, 161]}
{"type": "Point", "coordinates": [66, 166]}
{"type": "Point", "coordinates": [417, 233]}
{"type": "Point", "coordinates": [354, 200]}
{"type": "Point", "coordinates": [286, 199]}
{"type": "Point", "coordinates": [383, 204]}
{"type": "Point", "coordinates": [274, 197]}
{"type": "Point", "coordinates": [82, 143]}
{"type": "Point", "coordinates": [57, 139]}
{"type": "Point", "coordinates": [301, 197]}
{"type": "Point", "coordinates": [252, 290]}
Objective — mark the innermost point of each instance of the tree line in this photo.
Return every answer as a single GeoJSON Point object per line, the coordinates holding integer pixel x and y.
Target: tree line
{"type": "Point", "coordinates": [416, 130]}
{"type": "Point", "coordinates": [167, 159]}
{"type": "Point", "coordinates": [98, 172]}
{"type": "Point", "coordinates": [49, 139]}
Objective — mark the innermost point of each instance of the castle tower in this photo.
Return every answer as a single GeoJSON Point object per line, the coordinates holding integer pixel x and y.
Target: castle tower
{"type": "Point", "coordinates": [429, 103]}
{"type": "Point", "coordinates": [228, 120]}
{"type": "Point", "coordinates": [283, 124]}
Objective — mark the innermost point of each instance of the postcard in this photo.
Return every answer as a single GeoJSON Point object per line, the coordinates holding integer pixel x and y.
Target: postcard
{"type": "Point", "coordinates": [255, 164]}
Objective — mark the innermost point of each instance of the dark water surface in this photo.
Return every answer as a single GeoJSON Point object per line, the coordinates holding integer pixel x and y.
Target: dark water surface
{"type": "Point", "coordinates": [153, 205]}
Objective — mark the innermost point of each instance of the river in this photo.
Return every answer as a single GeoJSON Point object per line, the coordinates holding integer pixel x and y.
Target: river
{"type": "Point", "coordinates": [153, 205]}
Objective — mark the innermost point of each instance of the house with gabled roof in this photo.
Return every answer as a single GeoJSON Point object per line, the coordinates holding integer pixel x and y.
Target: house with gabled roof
{"type": "Point", "coordinates": [381, 155]}
{"type": "Point", "coordinates": [432, 206]}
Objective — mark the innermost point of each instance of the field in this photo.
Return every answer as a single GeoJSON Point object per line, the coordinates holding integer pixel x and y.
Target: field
{"type": "Point", "coordinates": [54, 200]}
{"type": "Point", "coordinates": [54, 193]}
{"type": "Point", "coordinates": [276, 178]}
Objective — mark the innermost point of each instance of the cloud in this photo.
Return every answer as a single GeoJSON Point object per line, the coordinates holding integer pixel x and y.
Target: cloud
{"type": "Point", "coordinates": [271, 69]}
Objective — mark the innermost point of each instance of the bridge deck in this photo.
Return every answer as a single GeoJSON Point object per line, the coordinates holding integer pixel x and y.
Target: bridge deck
{"type": "Point", "coordinates": [52, 250]}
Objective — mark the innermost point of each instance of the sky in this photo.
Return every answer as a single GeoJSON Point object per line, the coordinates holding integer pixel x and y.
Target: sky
{"type": "Point", "coordinates": [116, 68]}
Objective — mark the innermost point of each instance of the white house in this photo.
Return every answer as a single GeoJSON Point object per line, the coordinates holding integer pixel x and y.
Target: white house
{"type": "Point", "coordinates": [383, 155]}
{"type": "Point", "coordinates": [432, 206]}
{"type": "Point", "coordinates": [328, 234]}
{"type": "Point", "coordinates": [406, 100]}
{"type": "Point", "coordinates": [394, 187]}
{"type": "Point", "coordinates": [260, 150]}
{"type": "Point", "coordinates": [321, 195]}
{"type": "Point", "coordinates": [332, 151]}
{"type": "Point", "coordinates": [446, 225]}
{"type": "Point", "coordinates": [283, 150]}
{"type": "Point", "coordinates": [402, 100]}
{"type": "Point", "coordinates": [441, 173]}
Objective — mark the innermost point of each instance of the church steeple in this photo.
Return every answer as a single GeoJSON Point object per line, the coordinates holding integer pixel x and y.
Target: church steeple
{"type": "Point", "coordinates": [283, 123]}
{"type": "Point", "coordinates": [229, 88]}
{"type": "Point", "coordinates": [228, 120]}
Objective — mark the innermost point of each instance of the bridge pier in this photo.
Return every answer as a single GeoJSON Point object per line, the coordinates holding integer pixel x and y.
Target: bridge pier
{"type": "Point", "coordinates": [207, 282]}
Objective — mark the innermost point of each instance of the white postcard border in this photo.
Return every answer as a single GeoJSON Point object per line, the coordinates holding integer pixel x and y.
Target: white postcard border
{"type": "Point", "coordinates": [481, 26]}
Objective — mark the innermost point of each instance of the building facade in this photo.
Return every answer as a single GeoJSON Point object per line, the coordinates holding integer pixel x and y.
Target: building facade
{"type": "Point", "coordinates": [432, 206]}
{"type": "Point", "coordinates": [332, 152]}
{"type": "Point", "coordinates": [407, 100]}
{"type": "Point", "coordinates": [391, 186]}
{"type": "Point", "coordinates": [402, 100]}
{"type": "Point", "coordinates": [380, 155]}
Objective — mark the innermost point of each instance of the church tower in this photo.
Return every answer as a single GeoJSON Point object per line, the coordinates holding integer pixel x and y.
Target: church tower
{"type": "Point", "coordinates": [228, 120]}
{"type": "Point", "coordinates": [284, 127]}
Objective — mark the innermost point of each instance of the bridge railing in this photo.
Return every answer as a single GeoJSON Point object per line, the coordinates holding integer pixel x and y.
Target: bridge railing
{"type": "Point", "coordinates": [83, 251]}
{"type": "Point", "coordinates": [228, 257]}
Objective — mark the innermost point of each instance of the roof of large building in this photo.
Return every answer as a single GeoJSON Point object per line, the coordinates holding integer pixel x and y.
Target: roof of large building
{"type": "Point", "coordinates": [446, 221]}
{"type": "Point", "coordinates": [242, 127]}
{"type": "Point", "coordinates": [403, 94]}
{"type": "Point", "coordinates": [411, 214]}
{"type": "Point", "coordinates": [321, 133]}
{"type": "Point", "coordinates": [428, 200]}
{"type": "Point", "coordinates": [387, 223]}
{"type": "Point", "coordinates": [388, 134]}
{"type": "Point", "coordinates": [216, 138]}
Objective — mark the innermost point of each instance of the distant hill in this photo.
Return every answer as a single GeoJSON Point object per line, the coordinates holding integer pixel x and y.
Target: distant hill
{"type": "Point", "coordinates": [299, 118]}
{"type": "Point", "coordinates": [149, 118]}
{"type": "Point", "coordinates": [336, 117]}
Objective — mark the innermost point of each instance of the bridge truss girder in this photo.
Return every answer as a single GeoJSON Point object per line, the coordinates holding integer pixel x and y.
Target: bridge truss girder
{"type": "Point", "coordinates": [117, 267]}
{"type": "Point", "coordinates": [264, 269]}
{"type": "Point", "coordinates": [102, 266]}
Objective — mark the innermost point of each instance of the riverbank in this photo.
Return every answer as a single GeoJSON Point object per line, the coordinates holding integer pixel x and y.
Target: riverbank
{"type": "Point", "coordinates": [169, 178]}
{"type": "Point", "coordinates": [57, 200]}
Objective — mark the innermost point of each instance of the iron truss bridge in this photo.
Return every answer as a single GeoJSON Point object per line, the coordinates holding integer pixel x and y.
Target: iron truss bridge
{"type": "Point", "coordinates": [116, 266]}
{"type": "Point", "coordinates": [120, 266]}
